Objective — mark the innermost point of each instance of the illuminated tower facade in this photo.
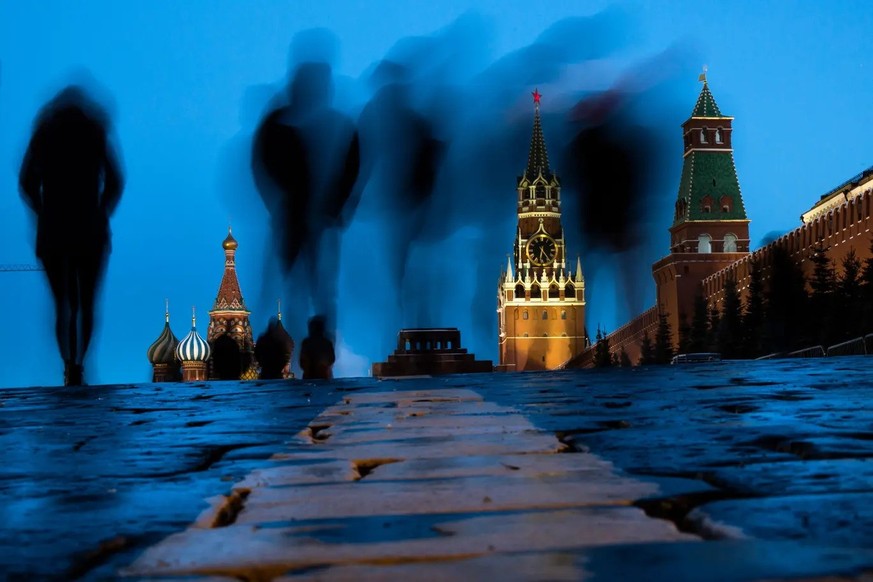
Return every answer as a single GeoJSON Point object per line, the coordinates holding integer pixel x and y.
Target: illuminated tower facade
{"type": "Point", "coordinates": [540, 298]}
{"type": "Point", "coordinates": [229, 315]}
{"type": "Point", "coordinates": [710, 230]}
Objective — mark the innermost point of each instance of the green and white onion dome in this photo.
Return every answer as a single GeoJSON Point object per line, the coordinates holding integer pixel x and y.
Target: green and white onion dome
{"type": "Point", "coordinates": [193, 348]}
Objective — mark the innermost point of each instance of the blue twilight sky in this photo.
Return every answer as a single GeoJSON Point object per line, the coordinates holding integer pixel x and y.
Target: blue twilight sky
{"type": "Point", "coordinates": [187, 81]}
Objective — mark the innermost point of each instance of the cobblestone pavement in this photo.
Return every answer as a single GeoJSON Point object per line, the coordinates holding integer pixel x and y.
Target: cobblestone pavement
{"type": "Point", "coordinates": [731, 471]}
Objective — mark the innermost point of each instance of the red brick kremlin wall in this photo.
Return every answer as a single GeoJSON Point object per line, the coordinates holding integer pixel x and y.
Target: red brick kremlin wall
{"type": "Point", "coordinates": [840, 229]}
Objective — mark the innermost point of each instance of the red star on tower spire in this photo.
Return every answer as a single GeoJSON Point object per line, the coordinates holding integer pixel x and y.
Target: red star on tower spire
{"type": "Point", "coordinates": [536, 95]}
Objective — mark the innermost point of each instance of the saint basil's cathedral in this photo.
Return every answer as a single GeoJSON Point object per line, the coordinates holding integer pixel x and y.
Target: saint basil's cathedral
{"type": "Point", "coordinates": [228, 352]}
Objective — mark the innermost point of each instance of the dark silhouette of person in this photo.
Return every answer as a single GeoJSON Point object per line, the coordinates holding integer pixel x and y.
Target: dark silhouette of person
{"type": "Point", "coordinates": [71, 179]}
{"type": "Point", "coordinates": [273, 350]}
{"type": "Point", "coordinates": [316, 351]}
{"type": "Point", "coordinates": [305, 161]}
{"type": "Point", "coordinates": [402, 154]}
{"type": "Point", "coordinates": [227, 361]}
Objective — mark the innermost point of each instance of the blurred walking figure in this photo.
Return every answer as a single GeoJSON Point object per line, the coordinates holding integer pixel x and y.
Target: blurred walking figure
{"type": "Point", "coordinates": [71, 180]}
{"type": "Point", "coordinates": [316, 352]}
{"type": "Point", "coordinates": [305, 161]}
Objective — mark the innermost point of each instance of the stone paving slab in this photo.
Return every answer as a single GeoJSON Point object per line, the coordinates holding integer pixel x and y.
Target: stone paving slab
{"type": "Point", "coordinates": [459, 493]}
{"type": "Point", "coordinates": [734, 561]}
{"type": "Point", "coordinates": [768, 452]}
{"type": "Point", "coordinates": [842, 519]}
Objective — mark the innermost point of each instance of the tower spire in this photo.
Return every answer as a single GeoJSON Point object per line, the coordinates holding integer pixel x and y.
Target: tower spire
{"type": "Point", "coordinates": [706, 105]}
{"type": "Point", "coordinates": [708, 188]}
{"type": "Point", "coordinates": [538, 158]}
{"type": "Point", "coordinates": [229, 315]}
{"type": "Point", "coordinates": [229, 296]}
{"type": "Point", "coordinates": [167, 310]}
{"type": "Point", "coordinates": [509, 274]}
{"type": "Point", "coordinates": [279, 309]}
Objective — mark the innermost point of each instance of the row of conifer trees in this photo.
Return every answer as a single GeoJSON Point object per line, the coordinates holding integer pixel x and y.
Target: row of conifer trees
{"type": "Point", "coordinates": [783, 311]}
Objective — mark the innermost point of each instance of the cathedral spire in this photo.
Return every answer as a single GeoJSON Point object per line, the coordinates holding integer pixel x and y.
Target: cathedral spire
{"type": "Point", "coordinates": [538, 158]}
{"type": "Point", "coordinates": [229, 296]}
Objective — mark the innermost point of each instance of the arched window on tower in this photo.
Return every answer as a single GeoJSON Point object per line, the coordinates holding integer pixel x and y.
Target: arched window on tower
{"type": "Point", "coordinates": [519, 291]}
{"type": "Point", "coordinates": [570, 291]}
{"type": "Point", "coordinates": [727, 203]}
{"type": "Point", "coordinates": [704, 244]}
{"type": "Point", "coordinates": [706, 205]}
{"type": "Point", "coordinates": [703, 136]}
{"type": "Point", "coordinates": [718, 138]}
{"type": "Point", "coordinates": [545, 314]}
{"type": "Point", "coordinates": [730, 243]}
{"type": "Point", "coordinates": [524, 315]}
{"type": "Point", "coordinates": [554, 293]}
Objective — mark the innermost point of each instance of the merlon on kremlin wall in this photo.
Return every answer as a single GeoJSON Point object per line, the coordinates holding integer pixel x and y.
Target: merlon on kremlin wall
{"type": "Point", "coordinates": [709, 235]}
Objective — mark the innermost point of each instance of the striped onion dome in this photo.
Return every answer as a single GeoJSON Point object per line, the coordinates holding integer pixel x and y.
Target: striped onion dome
{"type": "Point", "coordinates": [163, 351]}
{"type": "Point", "coordinates": [193, 348]}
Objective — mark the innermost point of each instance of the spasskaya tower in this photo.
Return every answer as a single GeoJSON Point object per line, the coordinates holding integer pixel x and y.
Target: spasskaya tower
{"type": "Point", "coordinates": [540, 301]}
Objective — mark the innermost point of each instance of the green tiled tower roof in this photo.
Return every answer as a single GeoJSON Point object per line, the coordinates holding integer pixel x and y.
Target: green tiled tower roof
{"type": "Point", "coordinates": [709, 177]}
{"type": "Point", "coordinates": [710, 174]}
{"type": "Point", "coordinates": [706, 105]}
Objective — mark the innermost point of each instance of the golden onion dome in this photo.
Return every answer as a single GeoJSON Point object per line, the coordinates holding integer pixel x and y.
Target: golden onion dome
{"type": "Point", "coordinates": [230, 243]}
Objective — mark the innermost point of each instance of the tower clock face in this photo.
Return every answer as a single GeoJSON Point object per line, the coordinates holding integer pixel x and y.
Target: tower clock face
{"type": "Point", "coordinates": [541, 250]}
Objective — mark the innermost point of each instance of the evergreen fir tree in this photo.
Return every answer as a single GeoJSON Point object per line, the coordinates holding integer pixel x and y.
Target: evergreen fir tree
{"type": "Point", "coordinates": [730, 332]}
{"type": "Point", "coordinates": [712, 332]}
{"type": "Point", "coordinates": [699, 326]}
{"type": "Point", "coordinates": [786, 304]}
{"type": "Point", "coordinates": [867, 292]}
{"type": "Point", "coordinates": [624, 359]}
{"type": "Point", "coordinates": [849, 307]}
{"type": "Point", "coordinates": [602, 358]}
{"type": "Point", "coordinates": [753, 320]}
{"type": "Point", "coordinates": [684, 335]}
{"type": "Point", "coordinates": [647, 351]}
{"type": "Point", "coordinates": [821, 301]}
{"type": "Point", "coordinates": [663, 341]}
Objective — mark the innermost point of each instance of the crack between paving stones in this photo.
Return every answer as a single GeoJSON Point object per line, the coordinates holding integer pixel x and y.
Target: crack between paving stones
{"type": "Point", "coordinates": [88, 561]}
{"type": "Point", "coordinates": [318, 433]}
{"type": "Point", "coordinates": [230, 509]}
{"type": "Point", "coordinates": [363, 467]}
{"type": "Point", "coordinates": [675, 508]}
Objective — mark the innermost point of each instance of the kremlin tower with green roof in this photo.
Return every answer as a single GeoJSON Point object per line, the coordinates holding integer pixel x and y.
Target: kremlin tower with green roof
{"type": "Point", "coordinates": [710, 230]}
